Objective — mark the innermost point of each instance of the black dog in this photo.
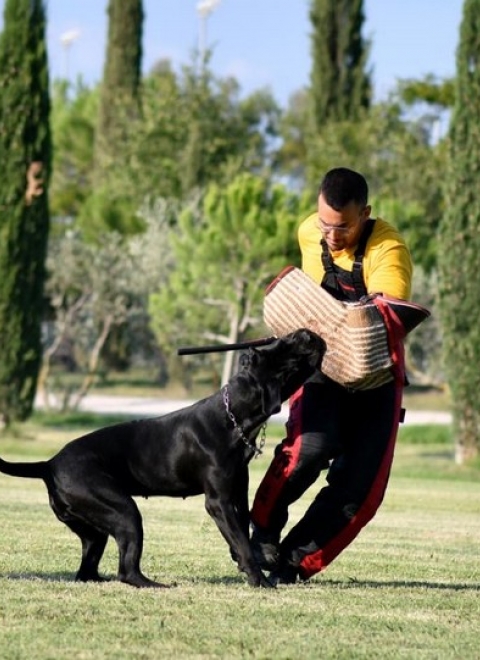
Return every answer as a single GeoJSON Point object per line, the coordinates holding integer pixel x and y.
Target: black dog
{"type": "Point", "coordinates": [203, 448]}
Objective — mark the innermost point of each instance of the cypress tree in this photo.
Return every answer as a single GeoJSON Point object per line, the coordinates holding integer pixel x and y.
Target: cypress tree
{"type": "Point", "coordinates": [119, 98]}
{"type": "Point", "coordinates": [459, 243]}
{"type": "Point", "coordinates": [111, 206]}
{"type": "Point", "coordinates": [25, 152]}
{"type": "Point", "coordinates": [340, 83]}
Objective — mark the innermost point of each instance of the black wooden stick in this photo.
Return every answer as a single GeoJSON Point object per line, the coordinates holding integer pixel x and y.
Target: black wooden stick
{"type": "Point", "coordinates": [219, 348]}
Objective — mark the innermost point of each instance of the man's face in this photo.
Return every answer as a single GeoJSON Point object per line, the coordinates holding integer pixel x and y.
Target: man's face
{"type": "Point", "coordinates": [341, 229]}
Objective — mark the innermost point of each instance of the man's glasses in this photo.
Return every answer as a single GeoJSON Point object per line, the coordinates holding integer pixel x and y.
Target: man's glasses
{"type": "Point", "coordinates": [326, 229]}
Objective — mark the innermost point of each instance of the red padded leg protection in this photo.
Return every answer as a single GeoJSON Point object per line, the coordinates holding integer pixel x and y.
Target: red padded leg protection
{"type": "Point", "coordinates": [317, 561]}
{"type": "Point", "coordinates": [282, 466]}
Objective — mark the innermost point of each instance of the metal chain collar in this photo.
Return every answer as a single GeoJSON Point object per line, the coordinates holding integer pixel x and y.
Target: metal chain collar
{"type": "Point", "coordinates": [237, 427]}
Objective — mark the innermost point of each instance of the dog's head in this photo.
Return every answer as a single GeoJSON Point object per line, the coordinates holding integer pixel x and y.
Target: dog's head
{"type": "Point", "coordinates": [281, 367]}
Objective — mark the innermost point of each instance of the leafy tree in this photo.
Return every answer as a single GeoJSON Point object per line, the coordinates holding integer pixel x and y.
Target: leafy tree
{"type": "Point", "coordinates": [459, 243]}
{"type": "Point", "coordinates": [221, 127]}
{"type": "Point", "coordinates": [432, 99]}
{"type": "Point", "coordinates": [416, 223]}
{"type": "Point", "coordinates": [92, 290]}
{"type": "Point", "coordinates": [294, 129]}
{"type": "Point", "coordinates": [401, 166]}
{"type": "Point", "coordinates": [225, 249]}
{"type": "Point", "coordinates": [428, 90]}
{"type": "Point", "coordinates": [24, 218]}
{"type": "Point", "coordinates": [73, 121]}
{"type": "Point", "coordinates": [195, 130]}
{"type": "Point", "coordinates": [340, 83]}
{"type": "Point", "coordinates": [423, 354]}
{"type": "Point", "coordinates": [182, 114]}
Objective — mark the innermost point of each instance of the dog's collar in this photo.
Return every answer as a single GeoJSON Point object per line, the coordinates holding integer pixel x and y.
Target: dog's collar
{"type": "Point", "coordinates": [239, 429]}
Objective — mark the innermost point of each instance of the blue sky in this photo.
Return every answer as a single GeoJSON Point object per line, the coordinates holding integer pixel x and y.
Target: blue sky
{"type": "Point", "coordinates": [261, 42]}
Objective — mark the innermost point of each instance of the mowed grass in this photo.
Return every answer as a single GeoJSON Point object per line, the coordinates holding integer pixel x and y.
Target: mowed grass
{"type": "Point", "coordinates": [407, 587]}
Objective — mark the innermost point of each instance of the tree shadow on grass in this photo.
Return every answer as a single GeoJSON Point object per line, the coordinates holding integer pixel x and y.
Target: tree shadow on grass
{"type": "Point", "coordinates": [396, 584]}
{"type": "Point", "coordinates": [69, 578]}
{"type": "Point", "coordinates": [39, 576]}
{"type": "Point", "coordinates": [224, 580]}
{"type": "Point", "coordinates": [238, 580]}
{"type": "Point", "coordinates": [351, 584]}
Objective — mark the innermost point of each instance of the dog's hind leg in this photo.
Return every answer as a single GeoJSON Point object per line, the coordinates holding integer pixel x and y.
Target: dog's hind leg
{"type": "Point", "coordinates": [127, 529]}
{"type": "Point", "coordinates": [93, 546]}
{"type": "Point", "coordinates": [93, 540]}
{"type": "Point", "coordinates": [96, 511]}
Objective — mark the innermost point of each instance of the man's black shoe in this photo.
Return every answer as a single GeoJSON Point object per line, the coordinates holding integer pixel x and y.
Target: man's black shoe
{"type": "Point", "coordinates": [284, 574]}
{"type": "Point", "coordinates": [265, 549]}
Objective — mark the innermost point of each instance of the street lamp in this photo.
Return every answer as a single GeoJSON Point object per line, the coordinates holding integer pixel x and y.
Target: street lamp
{"type": "Point", "coordinates": [67, 39]}
{"type": "Point", "coordinates": [204, 9]}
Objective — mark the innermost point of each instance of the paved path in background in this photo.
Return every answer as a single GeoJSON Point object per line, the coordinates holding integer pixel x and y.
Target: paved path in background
{"type": "Point", "coordinates": [143, 407]}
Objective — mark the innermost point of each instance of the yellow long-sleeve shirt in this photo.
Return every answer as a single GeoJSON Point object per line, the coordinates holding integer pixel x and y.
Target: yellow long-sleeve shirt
{"type": "Point", "coordinates": [387, 264]}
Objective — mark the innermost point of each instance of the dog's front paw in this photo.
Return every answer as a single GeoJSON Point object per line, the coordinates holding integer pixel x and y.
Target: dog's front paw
{"type": "Point", "coordinates": [260, 580]}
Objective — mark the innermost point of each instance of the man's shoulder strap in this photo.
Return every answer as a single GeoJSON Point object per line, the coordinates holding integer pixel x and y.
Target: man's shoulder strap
{"type": "Point", "coordinates": [357, 270]}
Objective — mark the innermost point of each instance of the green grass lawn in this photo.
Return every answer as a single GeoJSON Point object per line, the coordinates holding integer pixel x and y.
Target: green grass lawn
{"type": "Point", "coordinates": [407, 587]}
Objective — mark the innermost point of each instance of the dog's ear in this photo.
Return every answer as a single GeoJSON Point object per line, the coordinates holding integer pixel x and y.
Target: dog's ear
{"type": "Point", "coordinates": [271, 398]}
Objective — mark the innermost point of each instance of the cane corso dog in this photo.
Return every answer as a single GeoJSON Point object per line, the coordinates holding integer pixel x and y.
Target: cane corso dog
{"type": "Point", "coordinates": [202, 448]}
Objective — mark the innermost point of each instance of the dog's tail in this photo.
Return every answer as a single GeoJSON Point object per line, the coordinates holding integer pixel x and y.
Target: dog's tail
{"type": "Point", "coordinates": [36, 470]}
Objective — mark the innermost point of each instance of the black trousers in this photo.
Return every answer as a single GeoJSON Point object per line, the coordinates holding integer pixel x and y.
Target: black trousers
{"type": "Point", "coordinates": [351, 434]}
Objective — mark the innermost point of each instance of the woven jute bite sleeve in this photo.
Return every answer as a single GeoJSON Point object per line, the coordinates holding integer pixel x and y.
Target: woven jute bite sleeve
{"type": "Point", "coordinates": [358, 351]}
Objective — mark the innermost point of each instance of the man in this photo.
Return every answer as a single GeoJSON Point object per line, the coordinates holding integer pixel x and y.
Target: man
{"type": "Point", "coordinates": [349, 433]}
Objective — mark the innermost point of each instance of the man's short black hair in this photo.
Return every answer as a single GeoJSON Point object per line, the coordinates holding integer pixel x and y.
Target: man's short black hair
{"type": "Point", "coordinates": [341, 186]}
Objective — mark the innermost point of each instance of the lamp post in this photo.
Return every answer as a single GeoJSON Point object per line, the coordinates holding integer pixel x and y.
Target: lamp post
{"type": "Point", "coordinates": [67, 39]}
{"type": "Point", "coordinates": [204, 9]}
